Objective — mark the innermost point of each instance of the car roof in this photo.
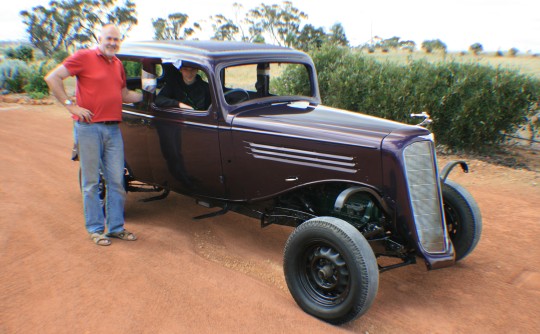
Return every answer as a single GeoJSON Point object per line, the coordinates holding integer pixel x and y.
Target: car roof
{"type": "Point", "coordinates": [214, 50]}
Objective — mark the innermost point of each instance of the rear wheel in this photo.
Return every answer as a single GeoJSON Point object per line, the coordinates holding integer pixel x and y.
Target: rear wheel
{"type": "Point", "coordinates": [463, 218]}
{"type": "Point", "coordinates": [331, 270]}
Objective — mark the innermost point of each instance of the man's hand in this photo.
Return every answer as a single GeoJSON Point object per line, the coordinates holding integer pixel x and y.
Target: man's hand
{"type": "Point", "coordinates": [83, 114]}
{"type": "Point", "coordinates": [185, 106]}
{"type": "Point", "coordinates": [131, 96]}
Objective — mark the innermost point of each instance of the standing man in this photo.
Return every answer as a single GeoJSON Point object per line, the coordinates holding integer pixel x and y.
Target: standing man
{"type": "Point", "coordinates": [101, 89]}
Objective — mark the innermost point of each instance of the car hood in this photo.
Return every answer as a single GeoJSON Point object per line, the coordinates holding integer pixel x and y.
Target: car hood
{"type": "Point", "coordinates": [323, 124]}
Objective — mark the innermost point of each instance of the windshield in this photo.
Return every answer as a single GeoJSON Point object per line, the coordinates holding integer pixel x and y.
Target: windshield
{"type": "Point", "coordinates": [253, 81]}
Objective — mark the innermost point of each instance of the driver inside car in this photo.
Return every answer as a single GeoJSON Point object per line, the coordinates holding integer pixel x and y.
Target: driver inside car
{"type": "Point", "coordinates": [186, 90]}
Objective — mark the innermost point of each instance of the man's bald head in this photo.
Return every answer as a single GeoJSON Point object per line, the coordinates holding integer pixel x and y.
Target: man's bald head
{"type": "Point", "coordinates": [110, 39]}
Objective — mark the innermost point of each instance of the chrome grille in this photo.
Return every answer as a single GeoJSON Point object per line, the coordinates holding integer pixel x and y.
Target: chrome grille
{"type": "Point", "coordinates": [425, 196]}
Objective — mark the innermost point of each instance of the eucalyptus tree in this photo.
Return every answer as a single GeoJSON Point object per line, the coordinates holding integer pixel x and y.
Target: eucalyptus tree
{"type": "Point", "coordinates": [337, 35]}
{"type": "Point", "coordinates": [224, 28]}
{"type": "Point", "coordinates": [173, 27]}
{"type": "Point", "coordinates": [407, 45]}
{"type": "Point", "coordinates": [476, 48]}
{"type": "Point", "coordinates": [281, 23]}
{"type": "Point", "coordinates": [67, 24]}
{"type": "Point", "coordinates": [431, 45]}
{"type": "Point", "coordinates": [310, 38]}
{"type": "Point", "coordinates": [232, 29]}
{"type": "Point", "coordinates": [390, 43]}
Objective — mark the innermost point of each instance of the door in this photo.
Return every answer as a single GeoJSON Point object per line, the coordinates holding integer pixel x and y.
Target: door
{"type": "Point", "coordinates": [183, 142]}
{"type": "Point", "coordinates": [174, 147]}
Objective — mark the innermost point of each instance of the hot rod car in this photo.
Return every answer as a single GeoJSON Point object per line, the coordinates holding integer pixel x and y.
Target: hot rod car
{"type": "Point", "coordinates": [354, 187]}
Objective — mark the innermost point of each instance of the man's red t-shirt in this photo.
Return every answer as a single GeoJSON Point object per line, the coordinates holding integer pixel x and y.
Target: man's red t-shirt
{"type": "Point", "coordinates": [100, 81]}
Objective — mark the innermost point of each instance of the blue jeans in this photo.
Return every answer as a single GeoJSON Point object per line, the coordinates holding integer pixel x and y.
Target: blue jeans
{"type": "Point", "coordinates": [101, 147]}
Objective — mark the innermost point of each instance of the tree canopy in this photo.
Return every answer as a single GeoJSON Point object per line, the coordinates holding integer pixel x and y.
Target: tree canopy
{"type": "Point", "coordinates": [67, 24]}
{"type": "Point", "coordinates": [432, 45]}
{"type": "Point", "coordinates": [476, 48]}
{"type": "Point", "coordinates": [279, 23]}
{"type": "Point", "coordinates": [173, 27]}
{"type": "Point", "coordinates": [64, 25]}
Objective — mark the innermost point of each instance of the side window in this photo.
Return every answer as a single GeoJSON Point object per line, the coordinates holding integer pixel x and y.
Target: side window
{"type": "Point", "coordinates": [133, 74]}
{"type": "Point", "coordinates": [290, 80]}
{"type": "Point", "coordinates": [144, 75]}
{"type": "Point", "coordinates": [241, 77]}
{"type": "Point", "coordinates": [133, 70]}
{"type": "Point", "coordinates": [252, 81]}
{"type": "Point", "coordinates": [239, 83]}
{"type": "Point", "coordinates": [184, 88]}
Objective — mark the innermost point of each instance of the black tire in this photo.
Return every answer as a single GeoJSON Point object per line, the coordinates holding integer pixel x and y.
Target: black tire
{"type": "Point", "coordinates": [330, 270]}
{"type": "Point", "coordinates": [463, 218]}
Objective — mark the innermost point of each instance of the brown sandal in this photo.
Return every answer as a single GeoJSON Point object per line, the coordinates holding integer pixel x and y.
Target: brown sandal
{"type": "Point", "coordinates": [100, 239]}
{"type": "Point", "coordinates": [124, 235]}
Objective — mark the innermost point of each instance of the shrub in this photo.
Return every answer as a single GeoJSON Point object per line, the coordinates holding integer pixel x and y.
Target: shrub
{"type": "Point", "coordinates": [36, 86]}
{"type": "Point", "coordinates": [12, 75]}
{"type": "Point", "coordinates": [23, 52]}
{"type": "Point", "coordinates": [132, 68]}
{"type": "Point", "coordinates": [37, 95]}
{"type": "Point", "coordinates": [472, 105]}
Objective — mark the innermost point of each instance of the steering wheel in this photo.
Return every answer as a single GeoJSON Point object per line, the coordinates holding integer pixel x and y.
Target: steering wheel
{"type": "Point", "coordinates": [236, 95]}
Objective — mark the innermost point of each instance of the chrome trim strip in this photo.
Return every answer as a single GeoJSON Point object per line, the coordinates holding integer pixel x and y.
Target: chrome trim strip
{"type": "Point", "coordinates": [203, 125]}
{"type": "Point", "coordinates": [339, 169]}
{"type": "Point", "coordinates": [294, 150]}
{"type": "Point", "coordinates": [133, 113]}
{"type": "Point", "coordinates": [304, 158]}
{"type": "Point", "coordinates": [303, 137]}
{"type": "Point", "coordinates": [284, 155]}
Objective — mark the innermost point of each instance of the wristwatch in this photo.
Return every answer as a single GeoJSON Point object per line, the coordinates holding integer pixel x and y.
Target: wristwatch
{"type": "Point", "coordinates": [68, 102]}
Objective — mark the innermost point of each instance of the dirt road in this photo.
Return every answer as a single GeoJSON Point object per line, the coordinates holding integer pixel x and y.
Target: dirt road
{"type": "Point", "coordinates": [224, 274]}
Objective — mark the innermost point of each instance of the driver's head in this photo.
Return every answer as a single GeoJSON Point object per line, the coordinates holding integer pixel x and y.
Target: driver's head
{"type": "Point", "coordinates": [189, 74]}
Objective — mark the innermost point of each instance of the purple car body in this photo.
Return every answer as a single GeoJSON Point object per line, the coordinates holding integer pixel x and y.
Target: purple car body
{"type": "Point", "coordinates": [287, 159]}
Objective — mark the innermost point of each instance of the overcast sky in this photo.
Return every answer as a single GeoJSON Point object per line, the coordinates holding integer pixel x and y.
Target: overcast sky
{"type": "Point", "coordinates": [496, 24]}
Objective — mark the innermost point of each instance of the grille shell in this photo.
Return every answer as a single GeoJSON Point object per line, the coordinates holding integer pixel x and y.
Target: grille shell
{"type": "Point", "coordinates": [425, 196]}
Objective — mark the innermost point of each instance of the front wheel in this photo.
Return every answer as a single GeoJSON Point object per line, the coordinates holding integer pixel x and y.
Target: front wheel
{"type": "Point", "coordinates": [330, 270]}
{"type": "Point", "coordinates": [463, 218]}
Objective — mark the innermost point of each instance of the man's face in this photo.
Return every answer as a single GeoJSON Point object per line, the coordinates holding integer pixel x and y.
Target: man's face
{"type": "Point", "coordinates": [109, 41]}
{"type": "Point", "coordinates": [188, 74]}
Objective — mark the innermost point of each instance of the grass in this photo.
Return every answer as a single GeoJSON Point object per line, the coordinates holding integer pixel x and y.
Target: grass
{"type": "Point", "coordinates": [525, 64]}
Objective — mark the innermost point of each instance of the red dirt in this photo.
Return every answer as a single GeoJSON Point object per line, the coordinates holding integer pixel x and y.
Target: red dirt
{"type": "Point", "coordinates": [224, 274]}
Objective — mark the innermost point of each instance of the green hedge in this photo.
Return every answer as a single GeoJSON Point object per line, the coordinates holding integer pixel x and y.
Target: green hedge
{"type": "Point", "coordinates": [472, 106]}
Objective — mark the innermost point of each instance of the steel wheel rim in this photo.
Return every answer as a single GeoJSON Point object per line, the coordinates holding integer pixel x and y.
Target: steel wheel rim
{"type": "Point", "coordinates": [325, 275]}
{"type": "Point", "coordinates": [452, 222]}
